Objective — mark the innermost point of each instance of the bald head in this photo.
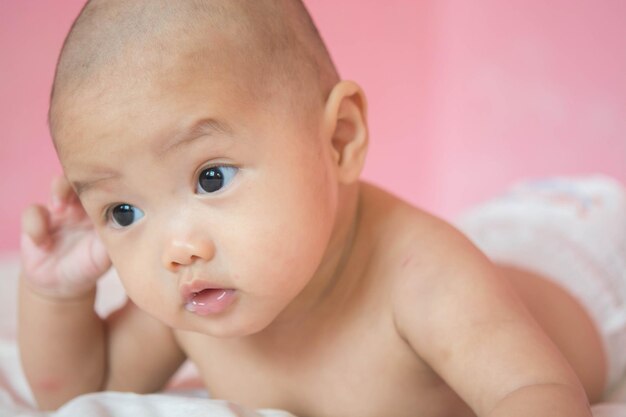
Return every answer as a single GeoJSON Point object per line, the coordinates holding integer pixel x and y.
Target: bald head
{"type": "Point", "coordinates": [117, 42]}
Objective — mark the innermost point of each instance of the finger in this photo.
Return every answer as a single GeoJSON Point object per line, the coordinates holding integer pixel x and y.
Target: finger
{"type": "Point", "coordinates": [61, 193]}
{"type": "Point", "coordinates": [36, 224]}
{"type": "Point", "coordinates": [98, 254]}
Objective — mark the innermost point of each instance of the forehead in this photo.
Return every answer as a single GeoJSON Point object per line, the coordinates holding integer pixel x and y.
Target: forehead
{"type": "Point", "coordinates": [167, 62]}
{"type": "Point", "coordinates": [140, 103]}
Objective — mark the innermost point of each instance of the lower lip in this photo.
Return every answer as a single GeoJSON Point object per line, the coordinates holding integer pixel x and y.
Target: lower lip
{"type": "Point", "coordinates": [211, 301]}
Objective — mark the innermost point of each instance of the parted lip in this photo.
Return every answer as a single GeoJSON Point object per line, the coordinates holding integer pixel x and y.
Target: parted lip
{"type": "Point", "coordinates": [188, 290]}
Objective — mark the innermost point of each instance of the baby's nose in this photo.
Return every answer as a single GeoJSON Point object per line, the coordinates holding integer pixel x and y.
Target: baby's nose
{"type": "Point", "coordinates": [182, 252]}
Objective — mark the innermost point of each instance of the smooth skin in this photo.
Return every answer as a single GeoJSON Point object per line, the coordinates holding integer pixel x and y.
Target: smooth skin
{"type": "Point", "coordinates": [442, 337]}
{"type": "Point", "coordinates": [348, 301]}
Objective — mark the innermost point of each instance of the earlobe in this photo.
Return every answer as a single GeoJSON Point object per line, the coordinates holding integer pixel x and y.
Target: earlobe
{"type": "Point", "coordinates": [345, 129]}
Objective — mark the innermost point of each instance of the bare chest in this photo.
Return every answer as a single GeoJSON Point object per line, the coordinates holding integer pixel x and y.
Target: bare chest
{"type": "Point", "coordinates": [360, 368]}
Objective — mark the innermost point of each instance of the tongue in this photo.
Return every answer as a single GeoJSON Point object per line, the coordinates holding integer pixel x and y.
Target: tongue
{"type": "Point", "coordinates": [210, 301]}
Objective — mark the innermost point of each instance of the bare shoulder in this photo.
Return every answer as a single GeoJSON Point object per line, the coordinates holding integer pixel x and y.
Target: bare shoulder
{"type": "Point", "coordinates": [457, 314]}
{"type": "Point", "coordinates": [425, 259]}
{"type": "Point", "coordinates": [412, 240]}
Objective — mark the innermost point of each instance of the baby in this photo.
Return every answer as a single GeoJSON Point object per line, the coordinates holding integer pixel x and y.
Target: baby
{"type": "Point", "coordinates": [211, 154]}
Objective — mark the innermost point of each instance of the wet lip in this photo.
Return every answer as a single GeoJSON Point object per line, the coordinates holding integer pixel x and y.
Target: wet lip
{"type": "Point", "coordinates": [187, 291]}
{"type": "Point", "coordinates": [203, 298]}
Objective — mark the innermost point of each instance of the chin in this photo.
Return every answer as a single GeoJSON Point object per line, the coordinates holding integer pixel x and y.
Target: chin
{"type": "Point", "coordinates": [224, 327]}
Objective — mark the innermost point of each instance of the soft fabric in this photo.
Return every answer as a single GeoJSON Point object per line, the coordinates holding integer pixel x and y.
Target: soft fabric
{"type": "Point", "coordinates": [572, 230]}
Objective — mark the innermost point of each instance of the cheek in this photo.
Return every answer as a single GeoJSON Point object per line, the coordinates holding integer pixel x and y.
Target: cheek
{"type": "Point", "coordinates": [138, 275]}
{"type": "Point", "coordinates": [287, 233]}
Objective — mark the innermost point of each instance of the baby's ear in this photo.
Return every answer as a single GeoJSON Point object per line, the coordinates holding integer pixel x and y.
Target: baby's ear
{"type": "Point", "coordinates": [345, 126]}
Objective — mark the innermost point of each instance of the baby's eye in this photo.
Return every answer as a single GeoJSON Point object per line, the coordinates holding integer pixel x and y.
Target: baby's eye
{"type": "Point", "coordinates": [214, 178]}
{"type": "Point", "coordinates": [123, 215]}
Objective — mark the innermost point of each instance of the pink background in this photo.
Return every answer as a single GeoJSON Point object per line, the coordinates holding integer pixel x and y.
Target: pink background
{"type": "Point", "coordinates": [464, 97]}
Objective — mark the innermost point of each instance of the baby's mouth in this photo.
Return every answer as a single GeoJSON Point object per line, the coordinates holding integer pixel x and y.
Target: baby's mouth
{"type": "Point", "coordinates": [209, 301]}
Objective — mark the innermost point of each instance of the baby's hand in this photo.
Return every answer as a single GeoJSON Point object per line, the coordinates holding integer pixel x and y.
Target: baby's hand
{"type": "Point", "coordinates": [62, 256]}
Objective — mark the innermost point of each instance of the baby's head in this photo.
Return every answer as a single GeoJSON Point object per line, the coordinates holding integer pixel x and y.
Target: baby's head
{"type": "Point", "coordinates": [213, 146]}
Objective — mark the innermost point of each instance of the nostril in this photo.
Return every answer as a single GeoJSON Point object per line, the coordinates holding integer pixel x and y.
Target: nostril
{"type": "Point", "coordinates": [178, 263]}
{"type": "Point", "coordinates": [173, 266]}
{"type": "Point", "coordinates": [181, 252]}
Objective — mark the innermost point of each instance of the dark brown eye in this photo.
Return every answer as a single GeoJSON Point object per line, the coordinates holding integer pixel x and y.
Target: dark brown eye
{"type": "Point", "coordinates": [123, 215]}
{"type": "Point", "coordinates": [214, 178]}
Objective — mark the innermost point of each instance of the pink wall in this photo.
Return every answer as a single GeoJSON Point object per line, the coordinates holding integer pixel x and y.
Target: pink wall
{"type": "Point", "coordinates": [464, 96]}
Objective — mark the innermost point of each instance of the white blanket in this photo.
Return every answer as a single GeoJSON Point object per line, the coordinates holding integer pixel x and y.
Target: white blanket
{"type": "Point", "coordinates": [183, 397]}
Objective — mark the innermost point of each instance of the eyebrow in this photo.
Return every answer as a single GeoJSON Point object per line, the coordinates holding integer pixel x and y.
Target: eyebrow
{"type": "Point", "coordinates": [194, 131]}
{"type": "Point", "coordinates": [81, 186]}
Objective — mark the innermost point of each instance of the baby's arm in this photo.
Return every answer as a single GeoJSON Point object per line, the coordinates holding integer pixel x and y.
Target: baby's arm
{"type": "Point", "coordinates": [65, 347]}
{"type": "Point", "coordinates": [471, 328]}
